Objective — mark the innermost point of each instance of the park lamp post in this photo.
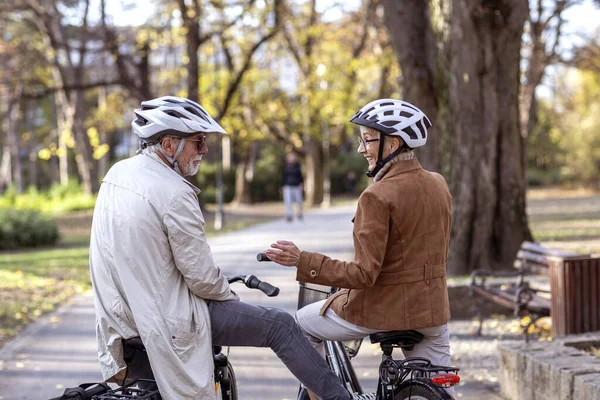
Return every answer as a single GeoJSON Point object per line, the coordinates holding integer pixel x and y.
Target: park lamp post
{"type": "Point", "coordinates": [321, 69]}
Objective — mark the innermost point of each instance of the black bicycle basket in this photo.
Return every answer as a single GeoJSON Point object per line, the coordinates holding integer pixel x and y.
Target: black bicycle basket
{"type": "Point", "coordinates": [311, 293]}
{"type": "Point", "coordinates": [140, 389]}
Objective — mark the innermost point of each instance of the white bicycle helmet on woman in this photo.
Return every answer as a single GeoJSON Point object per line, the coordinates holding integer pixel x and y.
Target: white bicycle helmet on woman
{"type": "Point", "coordinates": [393, 118]}
{"type": "Point", "coordinates": [171, 116]}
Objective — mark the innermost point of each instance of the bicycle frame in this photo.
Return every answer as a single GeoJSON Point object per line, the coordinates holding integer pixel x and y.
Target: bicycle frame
{"type": "Point", "coordinates": [393, 375]}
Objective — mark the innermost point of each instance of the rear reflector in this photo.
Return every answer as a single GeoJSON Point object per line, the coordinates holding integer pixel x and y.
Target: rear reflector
{"type": "Point", "coordinates": [445, 380]}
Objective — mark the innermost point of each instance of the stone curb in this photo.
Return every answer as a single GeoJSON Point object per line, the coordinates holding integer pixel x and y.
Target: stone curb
{"type": "Point", "coordinates": [555, 370]}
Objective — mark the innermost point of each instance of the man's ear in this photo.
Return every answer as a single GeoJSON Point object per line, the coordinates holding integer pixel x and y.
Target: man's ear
{"type": "Point", "coordinates": [169, 145]}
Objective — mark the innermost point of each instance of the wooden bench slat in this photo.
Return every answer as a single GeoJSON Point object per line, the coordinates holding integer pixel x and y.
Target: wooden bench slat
{"type": "Point", "coordinates": [534, 247]}
{"type": "Point", "coordinates": [532, 257]}
{"type": "Point", "coordinates": [531, 268]}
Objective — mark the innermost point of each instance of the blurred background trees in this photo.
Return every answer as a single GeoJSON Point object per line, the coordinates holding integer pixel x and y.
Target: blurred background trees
{"type": "Point", "coordinates": [512, 89]}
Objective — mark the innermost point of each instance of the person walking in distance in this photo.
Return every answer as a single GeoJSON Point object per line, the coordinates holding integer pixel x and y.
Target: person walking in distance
{"type": "Point", "coordinates": [292, 183]}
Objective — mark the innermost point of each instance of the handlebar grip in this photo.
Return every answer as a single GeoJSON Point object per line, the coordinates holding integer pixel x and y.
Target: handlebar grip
{"type": "Point", "coordinates": [268, 289]}
{"type": "Point", "coordinates": [254, 283]}
{"type": "Point", "coordinates": [262, 257]}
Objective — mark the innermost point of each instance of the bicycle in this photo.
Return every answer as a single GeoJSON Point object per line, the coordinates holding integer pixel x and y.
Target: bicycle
{"type": "Point", "coordinates": [139, 382]}
{"type": "Point", "coordinates": [413, 378]}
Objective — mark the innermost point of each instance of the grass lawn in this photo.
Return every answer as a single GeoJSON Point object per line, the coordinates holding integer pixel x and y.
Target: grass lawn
{"type": "Point", "coordinates": [563, 219]}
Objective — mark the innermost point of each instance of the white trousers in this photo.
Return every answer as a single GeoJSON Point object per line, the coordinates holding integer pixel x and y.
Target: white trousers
{"type": "Point", "coordinates": [292, 194]}
{"type": "Point", "coordinates": [435, 345]}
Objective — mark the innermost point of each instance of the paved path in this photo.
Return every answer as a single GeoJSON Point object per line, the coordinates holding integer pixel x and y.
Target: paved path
{"type": "Point", "coordinates": [58, 351]}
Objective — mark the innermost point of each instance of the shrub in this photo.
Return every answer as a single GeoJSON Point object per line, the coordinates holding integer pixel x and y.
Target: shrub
{"type": "Point", "coordinates": [57, 199]}
{"type": "Point", "coordinates": [26, 228]}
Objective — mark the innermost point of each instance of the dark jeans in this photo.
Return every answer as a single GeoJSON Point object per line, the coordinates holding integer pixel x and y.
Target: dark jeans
{"type": "Point", "coordinates": [234, 323]}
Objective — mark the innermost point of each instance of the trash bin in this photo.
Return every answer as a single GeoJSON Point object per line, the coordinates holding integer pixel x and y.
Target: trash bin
{"type": "Point", "coordinates": [575, 294]}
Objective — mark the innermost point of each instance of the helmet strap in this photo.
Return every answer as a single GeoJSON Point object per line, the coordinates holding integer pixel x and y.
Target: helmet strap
{"type": "Point", "coordinates": [381, 162]}
{"type": "Point", "coordinates": [173, 160]}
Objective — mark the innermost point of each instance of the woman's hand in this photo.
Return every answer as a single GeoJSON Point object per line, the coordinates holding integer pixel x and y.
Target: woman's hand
{"type": "Point", "coordinates": [286, 254]}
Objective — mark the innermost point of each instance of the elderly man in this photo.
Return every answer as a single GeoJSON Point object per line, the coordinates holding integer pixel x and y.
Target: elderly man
{"type": "Point", "coordinates": [397, 280]}
{"type": "Point", "coordinates": [154, 276]}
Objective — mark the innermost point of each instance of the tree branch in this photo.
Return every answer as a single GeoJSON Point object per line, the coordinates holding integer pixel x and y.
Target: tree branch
{"type": "Point", "coordinates": [233, 85]}
{"type": "Point", "coordinates": [81, 86]}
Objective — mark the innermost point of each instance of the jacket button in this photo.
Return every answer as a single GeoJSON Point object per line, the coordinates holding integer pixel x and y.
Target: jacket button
{"type": "Point", "coordinates": [312, 273]}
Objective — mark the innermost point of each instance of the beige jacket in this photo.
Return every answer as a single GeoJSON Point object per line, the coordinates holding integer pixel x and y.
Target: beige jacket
{"type": "Point", "coordinates": [397, 280]}
{"type": "Point", "coordinates": [151, 270]}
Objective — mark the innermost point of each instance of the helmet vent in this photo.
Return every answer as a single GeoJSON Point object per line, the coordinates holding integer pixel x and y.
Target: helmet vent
{"type": "Point", "coordinates": [196, 112]}
{"type": "Point", "coordinates": [405, 114]}
{"type": "Point", "coordinates": [175, 114]}
{"type": "Point", "coordinates": [390, 123]}
{"type": "Point", "coordinates": [409, 106]}
{"type": "Point", "coordinates": [422, 128]}
{"type": "Point", "coordinates": [411, 133]}
{"type": "Point", "coordinates": [390, 112]}
{"type": "Point", "coordinates": [386, 104]}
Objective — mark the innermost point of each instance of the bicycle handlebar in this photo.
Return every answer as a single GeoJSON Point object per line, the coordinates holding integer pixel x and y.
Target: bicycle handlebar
{"type": "Point", "coordinates": [262, 257]}
{"type": "Point", "coordinates": [253, 282]}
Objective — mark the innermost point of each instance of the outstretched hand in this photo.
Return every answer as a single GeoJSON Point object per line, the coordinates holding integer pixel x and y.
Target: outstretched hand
{"type": "Point", "coordinates": [286, 254]}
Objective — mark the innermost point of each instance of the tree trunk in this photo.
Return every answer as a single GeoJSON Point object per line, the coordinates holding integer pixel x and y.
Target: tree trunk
{"type": "Point", "coordinates": [33, 168]}
{"type": "Point", "coordinates": [489, 216]}
{"type": "Point", "coordinates": [313, 182]}
{"type": "Point", "coordinates": [244, 175]}
{"type": "Point", "coordinates": [14, 106]}
{"type": "Point", "coordinates": [6, 165]}
{"type": "Point", "coordinates": [411, 34]}
{"type": "Point", "coordinates": [86, 165]}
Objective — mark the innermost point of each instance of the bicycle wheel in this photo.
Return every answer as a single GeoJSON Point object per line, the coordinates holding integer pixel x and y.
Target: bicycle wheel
{"type": "Point", "coordinates": [303, 393]}
{"type": "Point", "coordinates": [229, 385]}
{"type": "Point", "coordinates": [419, 392]}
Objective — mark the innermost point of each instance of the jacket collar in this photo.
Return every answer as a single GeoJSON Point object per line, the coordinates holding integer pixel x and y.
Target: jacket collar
{"type": "Point", "coordinates": [401, 167]}
{"type": "Point", "coordinates": [155, 157]}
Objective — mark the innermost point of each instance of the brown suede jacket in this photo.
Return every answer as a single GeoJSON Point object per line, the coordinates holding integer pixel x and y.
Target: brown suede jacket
{"type": "Point", "coordinates": [397, 280]}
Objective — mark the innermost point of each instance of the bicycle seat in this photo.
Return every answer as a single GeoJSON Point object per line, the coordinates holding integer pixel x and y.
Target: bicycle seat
{"type": "Point", "coordinates": [403, 339]}
{"type": "Point", "coordinates": [135, 343]}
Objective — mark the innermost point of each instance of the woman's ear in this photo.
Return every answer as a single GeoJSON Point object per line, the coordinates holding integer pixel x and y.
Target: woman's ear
{"type": "Point", "coordinates": [395, 143]}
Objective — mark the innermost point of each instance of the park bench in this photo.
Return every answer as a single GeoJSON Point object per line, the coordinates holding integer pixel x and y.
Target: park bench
{"type": "Point", "coordinates": [517, 290]}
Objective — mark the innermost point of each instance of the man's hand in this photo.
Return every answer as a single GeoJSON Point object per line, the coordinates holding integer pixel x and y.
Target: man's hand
{"type": "Point", "coordinates": [287, 254]}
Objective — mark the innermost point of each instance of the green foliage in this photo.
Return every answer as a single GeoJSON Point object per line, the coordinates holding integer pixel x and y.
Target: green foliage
{"type": "Point", "coordinates": [267, 175]}
{"type": "Point", "coordinates": [26, 228]}
{"type": "Point", "coordinates": [565, 146]}
{"type": "Point", "coordinates": [344, 163]}
{"type": "Point", "coordinates": [57, 199]}
{"type": "Point", "coordinates": [206, 180]}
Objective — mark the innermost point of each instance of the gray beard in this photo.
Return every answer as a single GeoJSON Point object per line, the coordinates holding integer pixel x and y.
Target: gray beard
{"type": "Point", "coordinates": [191, 169]}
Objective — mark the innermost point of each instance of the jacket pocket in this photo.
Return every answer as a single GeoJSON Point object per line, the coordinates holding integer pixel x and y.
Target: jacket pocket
{"type": "Point", "coordinates": [184, 336]}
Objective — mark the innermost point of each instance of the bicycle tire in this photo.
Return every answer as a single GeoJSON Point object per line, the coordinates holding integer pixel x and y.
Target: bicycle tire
{"type": "Point", "coordinates": [417, 390]}
{"type": "Point", "coordinates": [303, 393]}
{"type": "Point", "coordinates": [229, 386]}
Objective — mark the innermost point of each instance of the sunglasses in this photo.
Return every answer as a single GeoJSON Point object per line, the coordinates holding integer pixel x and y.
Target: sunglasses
{"type": "Point", "coordinates": [200, 142]}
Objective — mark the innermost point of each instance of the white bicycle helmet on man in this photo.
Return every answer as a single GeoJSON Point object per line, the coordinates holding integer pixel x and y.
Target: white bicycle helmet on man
{"type": "Point", "coordinates": [171, 116]}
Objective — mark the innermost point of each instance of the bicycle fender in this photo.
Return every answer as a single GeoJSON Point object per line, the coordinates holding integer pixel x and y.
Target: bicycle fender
{"type": "Point", "coordinates": [443, 395]}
